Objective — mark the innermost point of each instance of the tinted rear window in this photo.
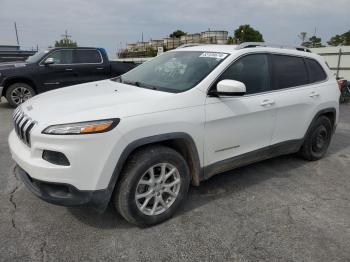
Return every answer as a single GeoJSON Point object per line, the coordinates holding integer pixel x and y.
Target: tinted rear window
{"type": "Point", "coordinates": [316, 72]}
{"type": "Point", "coordinates": [88, 56]}
{"type": "Point", "coordinates": [289, 71]}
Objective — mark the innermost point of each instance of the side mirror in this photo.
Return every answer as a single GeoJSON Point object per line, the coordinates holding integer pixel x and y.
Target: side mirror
{"type": "Point", "coordinates": [49, 61]}
{"type": "Point", "coordinates": [229, 88]}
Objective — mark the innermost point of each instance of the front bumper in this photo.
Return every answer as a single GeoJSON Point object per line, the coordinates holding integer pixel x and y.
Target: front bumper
{"type": "Point", "coordinates": [64, 194]}
{"type": "Point", "coordinates": [91, 161]}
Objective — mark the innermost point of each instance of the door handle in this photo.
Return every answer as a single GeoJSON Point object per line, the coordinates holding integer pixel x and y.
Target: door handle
{"type": "Point", "coordinates": [69, 69]}
{"type": "Point", "coordinates": [314, 94]}
{"type": "Point", "coordinates": [99, 68]}
{"type": "Point", "coordinates": [267, 102]}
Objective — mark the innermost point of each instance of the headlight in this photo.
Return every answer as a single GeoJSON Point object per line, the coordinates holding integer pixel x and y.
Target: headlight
{"type": "Point", "coordinates": [90, 127]}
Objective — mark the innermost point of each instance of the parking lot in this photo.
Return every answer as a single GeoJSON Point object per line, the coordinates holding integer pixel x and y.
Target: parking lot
{"type": "Point", "coordinates": [280, 209]}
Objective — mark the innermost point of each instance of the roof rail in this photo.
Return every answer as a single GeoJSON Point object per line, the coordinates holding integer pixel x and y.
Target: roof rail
{"type": "Point", "coordinates": [263, 44]}
{"type": "Point", "coordinates": [188, 45]}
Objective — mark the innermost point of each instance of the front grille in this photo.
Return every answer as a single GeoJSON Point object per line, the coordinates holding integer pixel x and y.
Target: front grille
{"type": "Point", "coordinates": [23, 125]}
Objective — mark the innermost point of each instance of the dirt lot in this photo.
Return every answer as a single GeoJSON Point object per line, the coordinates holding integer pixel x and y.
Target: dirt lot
{"type": "Point", "coordinates": [283, 209]}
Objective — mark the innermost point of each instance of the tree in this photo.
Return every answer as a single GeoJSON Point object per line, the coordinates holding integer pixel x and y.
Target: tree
{"type": "Point", "coordinates": [246, 33]}
{"type": "Point", "coordinates": [231, 40]}
{"type": "Point", "coordinates": [343, 39]}
{"type": "Point", "coordinates": [302, 37]}
{"type": "Point", "coordinates": [65, 41]}
{"type": "Point", "coordinates": [177, 34]}
{"type": "Point", "coordinates": [335, 40]}
{"type": "Point", "coordinates": [151, 52]}
{"type": "Point", "coordinates": [313, 42]}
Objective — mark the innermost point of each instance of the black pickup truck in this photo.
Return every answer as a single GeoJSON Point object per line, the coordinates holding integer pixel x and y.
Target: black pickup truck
{"type": "Point", "coordinates": [55, 68]}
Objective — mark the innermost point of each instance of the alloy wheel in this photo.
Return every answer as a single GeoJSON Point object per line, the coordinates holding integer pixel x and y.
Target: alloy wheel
{"type": "Point", "coordinates": [20, 94]}
{"type": "Point", "coordinates": [157, 189]}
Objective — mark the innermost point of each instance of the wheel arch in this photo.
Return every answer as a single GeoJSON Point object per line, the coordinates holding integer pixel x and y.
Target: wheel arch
{"type": "Point", "coordinates": [330, 113]}
{"type": "Point", "coordinates": [181, 142]}
{"type": "Point", "coordinates": [12, 80]}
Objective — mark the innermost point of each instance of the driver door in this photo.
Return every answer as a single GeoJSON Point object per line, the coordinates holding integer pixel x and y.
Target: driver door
{"type": "Point", "coordinates": [239, 125]}
{"type": "Point", "coordinates": [59, 74]}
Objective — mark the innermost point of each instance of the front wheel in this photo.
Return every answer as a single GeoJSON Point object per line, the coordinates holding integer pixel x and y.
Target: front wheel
{"type": "Point", "coordinates": [18, 93]}
{"type": "Point", "coordinates": [154, 183]}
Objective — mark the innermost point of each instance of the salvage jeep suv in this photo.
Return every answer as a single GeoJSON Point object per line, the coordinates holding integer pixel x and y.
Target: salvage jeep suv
{"type": "Point", "coordinates": [141, 139]}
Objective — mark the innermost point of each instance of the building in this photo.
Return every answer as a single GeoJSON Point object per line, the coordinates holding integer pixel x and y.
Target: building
{"type": "Point", "coordinates": [131, 47]}
{"type": "Point", "coordinates": [190, 39]}
{"type": "Point", "coordinates": [141, 46]}
{"type": "Point", "coordinates": [8, 47]}
{"type": "Point", "coordinates": [154, 43]}
{"type": "Point", "coordinates": [214, 37]}
{"type": "Point", "coordinates": [171, 42]}
{"type": "Point", "coordinates": [168, 43]}
{"type": "Point", "coordinates": [12, 52]}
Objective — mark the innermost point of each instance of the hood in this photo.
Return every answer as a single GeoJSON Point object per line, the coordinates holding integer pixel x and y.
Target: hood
{"type": "Point", "coordinates": [9, 65]}
{"type": "Point", "coordinates": [99, 100]}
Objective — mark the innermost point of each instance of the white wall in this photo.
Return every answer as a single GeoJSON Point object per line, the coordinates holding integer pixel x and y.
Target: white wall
{"type": "Point", "coordinates": [331, 55]}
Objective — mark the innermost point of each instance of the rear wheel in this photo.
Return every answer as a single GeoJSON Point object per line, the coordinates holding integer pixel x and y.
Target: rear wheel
{"type": "Point", "coordinates": [154, 183]}
{"type": "Point", "coordinates": [317, 140]}
{"type": "Point", "coordinates": [18, 93]}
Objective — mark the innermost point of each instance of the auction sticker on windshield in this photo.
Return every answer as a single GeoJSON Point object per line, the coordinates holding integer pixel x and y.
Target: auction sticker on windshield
{"type": "Point", "coordinates": [218, 56]}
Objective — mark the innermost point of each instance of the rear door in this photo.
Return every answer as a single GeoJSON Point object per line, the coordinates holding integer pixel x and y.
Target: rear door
{"type": "Point", "coordinates": [59, 74]}
{"type": "Point", "coordinates": [91, 65]}
{"type": "Point", "coordinates": [296, 95]}
{"type": "Point", "coordinates": [241, 124]}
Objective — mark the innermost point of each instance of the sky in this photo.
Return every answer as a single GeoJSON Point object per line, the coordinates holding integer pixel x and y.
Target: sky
{"type": "Point", "coordinates": [113, 23]}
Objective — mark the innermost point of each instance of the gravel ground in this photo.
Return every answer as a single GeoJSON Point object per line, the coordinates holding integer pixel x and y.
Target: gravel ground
{"type": "Point", "coordinates": [283, 209]}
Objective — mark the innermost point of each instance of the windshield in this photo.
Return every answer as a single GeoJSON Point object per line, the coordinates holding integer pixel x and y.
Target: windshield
{"type": "Point", "coordinates": [36, 57]}
{"type": "Point", "coordinates": [176, 71]}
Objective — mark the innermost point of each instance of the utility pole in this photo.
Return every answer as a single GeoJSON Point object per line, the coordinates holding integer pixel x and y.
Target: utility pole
{"type": "Point", "coordinates": [66, 36]}
{"type": "Point", "coordinates": [66, 40]}
{"type": "Point", "coordinates": [143, 45]}
{"type": "Point", "coordinates": [302, 37]}
{"type": "Point", "coordinates": [16, 34]}
{"type": "Point", "coordinates": [209, 35]}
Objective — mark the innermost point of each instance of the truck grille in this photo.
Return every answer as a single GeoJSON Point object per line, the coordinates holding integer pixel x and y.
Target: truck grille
{"type": "Point", "coordinates": [23, 125]}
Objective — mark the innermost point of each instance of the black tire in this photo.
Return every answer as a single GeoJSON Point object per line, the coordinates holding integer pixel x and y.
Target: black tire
{"type": "Point", "coordinates": [136, 166]}
{"type": "Point", "coordinates": [317, 140]}
{"type": "Point", "coordinates": [18, 93]}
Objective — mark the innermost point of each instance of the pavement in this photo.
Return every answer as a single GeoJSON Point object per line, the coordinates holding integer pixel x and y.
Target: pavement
{"type": "Point", "coordinates": [282, 209]}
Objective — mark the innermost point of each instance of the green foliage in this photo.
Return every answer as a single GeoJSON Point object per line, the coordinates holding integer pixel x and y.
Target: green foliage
{"type": "Point", "coordinates": [65, 42]}
{"type": "Point", "coordinates": [151, 52]}
{"type": "Point", "coordinates": [313, 42]}
{"type": "Point", "coordinates": [246, 33]}
{"type": "Point", "coordinates": [231, 40]}
{"type": "Point", "coordinates": [343, 39]}
{"type": "Point", "coordinates": [177, 34]}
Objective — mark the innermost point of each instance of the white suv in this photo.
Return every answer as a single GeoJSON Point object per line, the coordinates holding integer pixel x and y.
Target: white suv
{"type": "Point", "coordinates": [180, 118]}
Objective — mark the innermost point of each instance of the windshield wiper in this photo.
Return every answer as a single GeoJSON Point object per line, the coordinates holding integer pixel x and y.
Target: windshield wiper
{"type": "Point", "coordinates": [139, 84]}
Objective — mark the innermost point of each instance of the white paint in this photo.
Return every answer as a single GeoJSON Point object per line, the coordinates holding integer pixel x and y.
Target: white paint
{"type": "Point", "coordinates": [243, 123]}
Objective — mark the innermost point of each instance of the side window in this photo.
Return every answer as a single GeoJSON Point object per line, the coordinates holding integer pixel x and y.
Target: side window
{"type": "Point", "coordinates": [62, 57]}
{"type": "Point", "coordinates": [289, 71]}
{"type": "Point", "coordinates": [88, 56]}
{"type": "Point", "coordinates": [252, 70]}
{"type": "Point", "coordinates": [316, 72]}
